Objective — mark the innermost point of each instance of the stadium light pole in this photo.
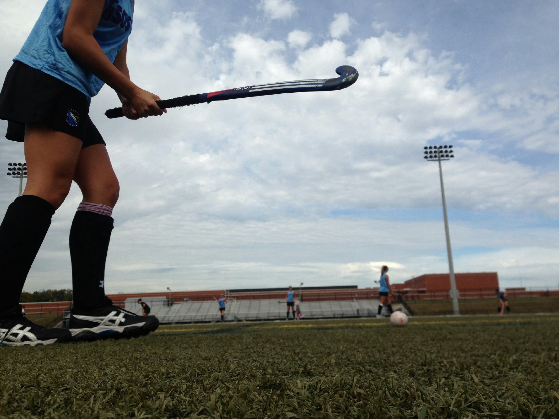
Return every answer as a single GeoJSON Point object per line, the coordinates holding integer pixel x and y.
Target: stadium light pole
{"type": "Point", "coordinates": [441, 153]}
{"type": "Point", "coordinates": [18, 170]}
{"type": "Point", "coordinates": [300, 291]}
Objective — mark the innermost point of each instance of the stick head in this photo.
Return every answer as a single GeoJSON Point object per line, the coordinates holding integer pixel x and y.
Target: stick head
{"type": "Point", "coordinates": [348, 76]}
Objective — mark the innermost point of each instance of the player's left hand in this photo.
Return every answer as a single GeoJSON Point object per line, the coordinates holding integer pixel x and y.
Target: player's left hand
{"type": "Point", "coordinates": [129, 111]}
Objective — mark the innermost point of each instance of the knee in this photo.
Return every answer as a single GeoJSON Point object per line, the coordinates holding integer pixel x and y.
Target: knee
{"type": "Point", "coordinates": [56, 197]}
{"type": "Point", "coordinates": [58, 191]}
{"type": "Point", "coordinates": [103, 192]}
{"type": "Point", "coordinates": [112, 191]}
{"type": "Point", "coordinates": [54, 193]}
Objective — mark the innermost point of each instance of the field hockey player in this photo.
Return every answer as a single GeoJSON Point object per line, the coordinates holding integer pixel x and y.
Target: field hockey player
{"type": "Point", "coordinates": [75, 47]}
{"type": "Point", "coordinates": [384, 291]}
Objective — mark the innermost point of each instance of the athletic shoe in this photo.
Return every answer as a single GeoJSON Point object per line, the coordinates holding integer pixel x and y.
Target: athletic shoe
{"type": "Point", "coordinates": [19, 331]}
{"type": "Point", "coordinates": [110, 322]}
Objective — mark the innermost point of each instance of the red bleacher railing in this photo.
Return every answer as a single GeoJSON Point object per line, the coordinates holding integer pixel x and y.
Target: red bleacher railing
{"type": "Point", "coordinates": [56, 307]}
{"type": "Point", "coordinates": [307, 295]}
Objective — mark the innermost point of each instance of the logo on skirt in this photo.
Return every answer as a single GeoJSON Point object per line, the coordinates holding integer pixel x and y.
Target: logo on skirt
{"type": "Point", "coordinates": [73, 118]}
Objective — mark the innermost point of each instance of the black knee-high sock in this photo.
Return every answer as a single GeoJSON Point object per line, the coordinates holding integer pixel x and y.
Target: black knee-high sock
{"type": "Point", "coordinates": [390, 308]}
{"type": "Point", "coordinates": [22, 232]}
{"type": "Point", "coordinates": [89, 242]}
{"type": "Point", "coordinates": [380, 306]}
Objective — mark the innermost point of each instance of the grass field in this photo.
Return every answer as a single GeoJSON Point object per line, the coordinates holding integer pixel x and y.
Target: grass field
{"type": "Point", "coordinates": [436, 367]}
{"type": "Point", "coordinates": [486, 306]}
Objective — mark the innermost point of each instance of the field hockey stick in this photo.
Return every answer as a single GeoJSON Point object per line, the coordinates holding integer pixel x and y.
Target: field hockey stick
{"type": "Point", "coordinates": [348, 76]}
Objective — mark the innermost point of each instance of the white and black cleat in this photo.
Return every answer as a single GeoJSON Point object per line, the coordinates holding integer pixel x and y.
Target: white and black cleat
{"type": "Point", "coordinates": [19, 331]}
{"type": "Point", "coordinates": [109, 322]}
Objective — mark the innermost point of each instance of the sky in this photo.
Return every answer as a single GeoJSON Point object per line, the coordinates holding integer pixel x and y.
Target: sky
{"type": "Point", "coordinates": [324, 188]}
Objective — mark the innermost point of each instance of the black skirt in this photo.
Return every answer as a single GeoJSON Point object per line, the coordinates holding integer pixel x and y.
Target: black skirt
{"type": "Point", "coordinates": [30, 96]}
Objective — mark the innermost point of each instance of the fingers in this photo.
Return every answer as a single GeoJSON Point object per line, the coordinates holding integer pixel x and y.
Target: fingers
{"type": "Point", "coordinates": [159, 111]}
{"type": "Point", "coordinates": [144, 104]}
{"type": "Point", "coordinates": [129, 112]}
{"type": "Point", "coordinates": [148, 109]}
{"type": "Point", "coordinates": [154, 109]}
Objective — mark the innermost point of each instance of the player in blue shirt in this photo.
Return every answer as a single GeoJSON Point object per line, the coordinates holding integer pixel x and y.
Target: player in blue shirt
{"type": "Point", "coordinates": [503, 302]}
{"type": "Point", "coordinates": [384, 291]}
{"type": "Point", "coordinates": [74, 48]}
{"type": "Point", "coordinates": [222, 301]}
{"type": "Point", "coordinates": [290, 300]}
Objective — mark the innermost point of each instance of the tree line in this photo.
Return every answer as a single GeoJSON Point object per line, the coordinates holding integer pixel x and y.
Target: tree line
{"type": "Point", "coordinates": [46, 295]}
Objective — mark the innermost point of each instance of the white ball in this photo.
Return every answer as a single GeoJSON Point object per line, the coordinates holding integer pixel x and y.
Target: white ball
{"type": "Point", "coordinates": [399, 318]}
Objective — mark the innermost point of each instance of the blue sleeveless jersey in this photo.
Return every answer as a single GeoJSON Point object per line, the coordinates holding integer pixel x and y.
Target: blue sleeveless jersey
{"type": "Point", "coordinates": [383, 285]}
{"type": "Point", "coordinates": [43, 48]}
{"type": "Point", "coordinates": [222, 303]}
{"type": "Point", "coordinates": [290, 296]}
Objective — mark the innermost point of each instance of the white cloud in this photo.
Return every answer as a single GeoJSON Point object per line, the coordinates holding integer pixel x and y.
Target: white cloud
{"type": "Point", "coordinates": [17, 19]}
{"type": "Point", "coordinates": [298, 39]}
{"type": "Point", "coordinates": [520, 266]}
{"type": "Point", "coordinates": [256, 57]}
{"type": "Point", "coordinates": [278, 9]}
{"type": "Point", "coordinates": [341, 25]}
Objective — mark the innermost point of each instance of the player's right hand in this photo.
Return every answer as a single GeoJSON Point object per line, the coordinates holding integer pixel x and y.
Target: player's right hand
{"type": "Point", "coordinates": [142, 105]}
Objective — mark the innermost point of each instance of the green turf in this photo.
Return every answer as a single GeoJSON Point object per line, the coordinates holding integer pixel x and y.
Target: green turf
{"type": "Point", "coordinates": [523, 305]}
{"type": "Point", "coordinates": [436, 367]}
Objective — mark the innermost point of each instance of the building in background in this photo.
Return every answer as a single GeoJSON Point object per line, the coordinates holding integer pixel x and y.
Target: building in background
{"type": "Point", "coordinates": [473, 284]}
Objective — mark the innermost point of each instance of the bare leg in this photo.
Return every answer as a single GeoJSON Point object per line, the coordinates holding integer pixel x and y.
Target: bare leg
{"type": "Point", "coordinates": [51, 158]}
{"type": "Point", "coordinates": [96, 177]}
{"type": "Point", "coordinates": [91, 230]}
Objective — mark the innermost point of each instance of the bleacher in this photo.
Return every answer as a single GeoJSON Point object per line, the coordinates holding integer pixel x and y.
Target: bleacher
{"type": "Point", "coordinates": [250, 310]}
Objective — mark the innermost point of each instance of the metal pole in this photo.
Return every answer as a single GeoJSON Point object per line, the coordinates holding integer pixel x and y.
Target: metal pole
{"type": "Point", "coordinates": [455, 307]}
{"type": "Point", "coordinates": [20, 183]}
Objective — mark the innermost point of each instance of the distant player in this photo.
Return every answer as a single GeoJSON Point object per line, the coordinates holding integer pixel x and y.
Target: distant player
{"type": "Point", "coordinates": [384, 291]}
{"type": "Point", "coordinates": [290, 300]}
{"type": "Point", "coordinates": [222, 301]}
{"type": "Point", "coordinates": [298, 311]}
{"type": "Point", "coordinates": [145, 308]}
{"type": "Point", "coordinates": [503, 302]}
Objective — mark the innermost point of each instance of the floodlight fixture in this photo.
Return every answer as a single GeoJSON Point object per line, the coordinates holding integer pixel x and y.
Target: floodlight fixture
{"type": "Point", "coordinates": [18, 171]}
